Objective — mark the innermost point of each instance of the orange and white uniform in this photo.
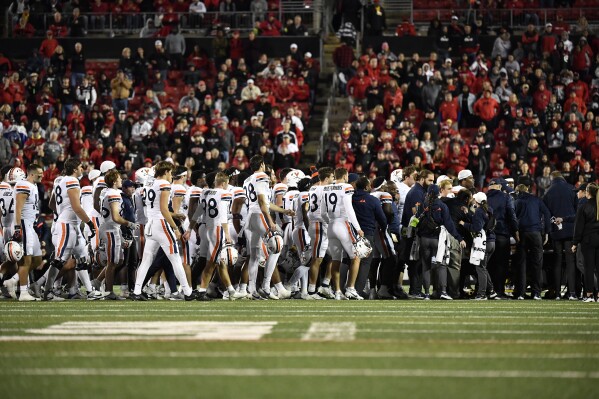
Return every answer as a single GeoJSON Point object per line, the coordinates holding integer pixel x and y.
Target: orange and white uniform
{"type": "Point", "coordinates": [215, 208]}
{"type": "Point", "coordinates": [31, 243]}
{"type": "Point", "coordinates": [317, 222]}
{"type": "Point", "coordinates": [65, 231]}
{"type": "Point", "coordinates": [343, 224]}
{"type": "Point", "coordinates": [110, 231]}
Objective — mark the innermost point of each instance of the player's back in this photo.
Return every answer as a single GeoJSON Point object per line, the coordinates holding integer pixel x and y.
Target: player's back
{"type": "Point", "coordinates": [64, 207]}
{"type": "Point", "coordinates": [256, 184]}
{"type": "Point", "coordinates": [108, 197]}
{"type": "Point", "coordinates": [152, 198]}
{"type": "Point", "coordinates": [7, 204]}
{"type": "Point", "coordinates": [215, 203]}
{"type": "Point", "coordinates": [315, 197]}
{"type": "Point", "coordinates": [333, 200]}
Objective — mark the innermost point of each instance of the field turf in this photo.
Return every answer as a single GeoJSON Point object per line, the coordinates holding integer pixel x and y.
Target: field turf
{"type": "Point", "coordinates": [299, 349]}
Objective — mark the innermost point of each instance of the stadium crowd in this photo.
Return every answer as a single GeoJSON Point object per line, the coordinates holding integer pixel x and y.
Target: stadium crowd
{"type": "Point", "coordinates": [524, 114]}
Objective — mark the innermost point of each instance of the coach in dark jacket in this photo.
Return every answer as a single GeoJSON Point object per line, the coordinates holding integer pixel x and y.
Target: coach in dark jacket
{"type": "Point", "coordinates": [506, 227]}
{"type": "Point", "coordinates": [586, 234]}
{"type": "Point", "coordinates": [560, 199]}
{"type": "Point", "coordinates": [369, 213]}
{"type": "Point", "coordinates": [534, 219]}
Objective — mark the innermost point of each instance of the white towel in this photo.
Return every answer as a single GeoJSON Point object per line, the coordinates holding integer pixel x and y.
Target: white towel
{"type": "Point", "coordinates": [479, 248]}
{"type": "Point", "coordinates": [443, 247]}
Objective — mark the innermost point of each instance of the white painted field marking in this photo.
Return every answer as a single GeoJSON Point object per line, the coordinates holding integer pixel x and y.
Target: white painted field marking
{"type": "Point", "coordinates": [306, 354]}
{"type": "Point", "coordinates": [305, 372]}
{"type": "Point", "coordinates": [120, 330]}
{"type": "Point", "coordinates": [330, 332]}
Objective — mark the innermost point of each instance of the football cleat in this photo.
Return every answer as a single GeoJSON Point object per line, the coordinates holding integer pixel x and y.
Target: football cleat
{"type": "Point", "coordinates": [351, 293]}
{"type": "Point", "coordinates": [27, 297]}
{"type": "Point", "coordinates": [284, 294]}
{"type": "Point", "coordinates": [326, 292]}
{"type": "Point", "coordinates": [11, 287]}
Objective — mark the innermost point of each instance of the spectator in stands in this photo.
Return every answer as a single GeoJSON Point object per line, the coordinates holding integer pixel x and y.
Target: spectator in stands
{"type": "Point", "coordinates": [77, 25]}
{"type": "Point", "coordinates": [159, 59]}
{"type": "Point", "coordinates": [197, 9]}
{"type": "Point", "coordinates": [175, 48]}
{"type": "Point", "coordinates": [406, 28]}
{"type": "Point", "coordinates": [376, 21]}
{"type": "Point", "coordinates": [530, 39]}
{"type": "Point", "coordinates": [149, 30]}
{"type": "Point", "coordinates": [295, 27]}
{"type": "Point", "coordinates": [502, 45]}
{"type": "Point", "coordinates": [251, 92]}
{"type": "Point", "coordinates": [121, 87]}
{"type": "Point", "coordinates": [258, 9]}
{"type": "Point", "coordinates": [23, 28]}
{"type": "Point", "coordinates": [487, 109]}
{"type": "Point", "coordinates": [58, 26]}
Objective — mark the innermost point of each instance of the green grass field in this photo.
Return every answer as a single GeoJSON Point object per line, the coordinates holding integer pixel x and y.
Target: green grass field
{"type": "Point", "coordinates": [299, 349]}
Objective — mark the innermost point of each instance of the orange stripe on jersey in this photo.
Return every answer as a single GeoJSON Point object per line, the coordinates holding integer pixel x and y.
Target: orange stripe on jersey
{"type": "Point", "coordinates": [168, 237]}
{"type": "Point", "coordinates": [22, 187]}
{"type": "Point", "coordinates": [114, 196]}
{"type": "Point", "coordinates": [62, 238]}
{"type": "Point", "coordinates": [164, 185]}
{"type": "Point", "coordinates": [349, 189]}
{"type": "Point", "coordinates": [217, 246]}
{"type": "Point", "coordinates": [263, 221]}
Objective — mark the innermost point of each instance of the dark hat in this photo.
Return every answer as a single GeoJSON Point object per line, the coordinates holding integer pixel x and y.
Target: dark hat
{"type": "Point", "coordinates": [128, 183]}
{"type": "Point", "coordinates": [352, 177]}
{"type": "Point", "coordinates": [582, 187]}
{"type": "Point", "coordinates": [433, 190]}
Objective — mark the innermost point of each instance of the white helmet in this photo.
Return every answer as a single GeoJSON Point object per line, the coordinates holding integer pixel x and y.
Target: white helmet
{"type": "Point", "coordinates": [480, 197]}
{"type": "Point", "coordinates": [15, 175]}
{"type": "Point", "coordinates": [291, 261]}
{"type": "Point", "coordinates": [106, 166]}
{"type": "Point", "coordinates": [397, 176]}
{"type": "Point", "coordinates": [141, 175]}
{"type": "Point", "coordinates": [306, 255]}
{"type": "Point", "coordinates": [274, 242]}
{"type": "Point", "coordinates": [93, 175]}
{"type": "Point", "coordinates": [150, 176]}
{"type": "Point", "coordinates": [294, 177]}
{"type": "Point", "coordinates": [228, 255]}
{"type": "Point", "coordinates": [13, 251]}
{"type": "Point", "coordinates": [362, 248]}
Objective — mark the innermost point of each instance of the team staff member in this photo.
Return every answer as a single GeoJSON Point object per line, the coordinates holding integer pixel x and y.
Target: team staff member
{"type": "Point", "coordinates": [561, 202]}
{"type": "Point", "coordinates": [370, 215]}
{"type": "Point", "coordinates": [586, 234]}
{"type": "Point", "coordinates": [506, 226]}
{"type": "Point", "coordinates": [414, 199]}
{"type": "Point", "coordinates": [533, 217]}
{"type": "Point", "coordinates": [435, 215]}
{"type": "Point", "coordinates": [129, 214]}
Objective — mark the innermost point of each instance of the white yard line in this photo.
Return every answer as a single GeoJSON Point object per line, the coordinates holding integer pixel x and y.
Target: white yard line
{"type": "Point", "coordinates": [330, 332]}
{"type": "Point", "coordinates": [304, 372]}
{"type": "Point", "coordinates": [304, 354]}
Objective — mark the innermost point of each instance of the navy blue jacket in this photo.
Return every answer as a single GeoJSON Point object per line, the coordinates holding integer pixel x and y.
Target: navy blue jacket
{"type": "Point", "coordinates": [414, 197]}
{"type": "Point", "coordinates": [394, 225]}
{"type": "Point", "coordinates": [560, 199]}
{"type": "Point", "coordinates": [532, 214]}
{"type": "Point", "coordinates": [127, 208]}
{"type": "Point", "coordinates": [369, 212]}
{"type": "Point", "coordinates": [504, 212]}
{"type": "Point", "coordinates": [441, 216]}
{"type": "Point", "coordinates": [479, 221]}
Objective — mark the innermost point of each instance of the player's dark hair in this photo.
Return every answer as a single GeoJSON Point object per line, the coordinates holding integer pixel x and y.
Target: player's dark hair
{"type": "Point", "coordinates": [111, 177]}
{"type": "Point", "coordinates": [162, 168]}
{"type": "Point", "coordinates": [408, 171]}
{"type": "Point", "coordinates": [5, 169]}
{"type": "Point", "coordinates": [256, 162]}
{"type": "Point", "coordinates": [340, 172]}
{"type": "Point", "coordinates": [424, 173]}
{"type": "Point", "coordinates": [362, 183]}
{"type": "Point", "coordinates": [71, 165]}
{"type": "Point", "coordinates": [284, 172]}
{"type": "Point", "coordinates": [210, 177]}
{"type": "Point", "coordinates": [179, 170]}
{"type": "Point", "coordinates": [325, 172]}
{"type": "Point", "coordinates": [33, 167]}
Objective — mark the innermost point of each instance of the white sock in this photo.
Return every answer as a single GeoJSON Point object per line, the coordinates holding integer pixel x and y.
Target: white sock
{"type": "Point", "coordinates": [279, 286]}
{"type": "Point", "coordinates": [231, 290]}
{"type": "Point", "coordinates": [311, 287]}
{"type": "Point", "coordinates": [15, 277]}
{"type": "Point", "coordinates": [83, 276]}
{"type": "Point", "coordinates": [73, 290]}
{"type": "Point", "coordinates": [243, 287]}
{"type": "Point", "coordinates": [23, 288]}
{"type": "Point", "coordinates": [202, 289]}
{"type": "Point", "coordinates": [326, 282]}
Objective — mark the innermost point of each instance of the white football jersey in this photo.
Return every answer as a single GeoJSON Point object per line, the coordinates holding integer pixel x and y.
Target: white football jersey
{"type": "Point", "coordinates": [236, 192]}
{"type": "Point", "coordinates": [108, 197]}
{"type": "Point", "coordinates": [192, 192]}
{"type": "Point", "coordinates": [87, 198]}
{"type": "Point", "coordinates": [338, 205]}
{"type": "Point", "coordinates": [152, 198]}
{"type": "Point", "coordinates": [64, 208]}
{"type": "Point", "coordinates": [7, 204]}
{"type": "Point", "coordinates": [256, 184]}
{"type": "Point", "coordinates": [177, 191]}
{"type": "Point", "coordinates": [98, 184]}
{"type": "Point", "coordinates": [384, 197]}
{"type": "Point", "coordinates": [299, 202]}
{"type": "Point", "coordinates": [316, 199]}
{"type": "Point", "coordinates": [215, 206]}
{"type": "Point", "coordinates": [31, 206]}
{"type": "Point", "coordinates": [289, 202]}
{"type": "Point", "coordinates": [403, 189]}
{"type": "Point", "coordinates": [278, 189]}
{"type": "Point", "coordinates": [138, 203]}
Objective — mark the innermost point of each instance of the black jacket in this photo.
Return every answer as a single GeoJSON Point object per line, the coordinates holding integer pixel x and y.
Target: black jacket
{"type": "Point", "coordinates": [369, 212]}
{"type": "Point", "coordinates": [586, 226]}
{"type": "Point", "coordinates": [533, 215]}
{"type": "Point", "coordinates": [504, 212]}
{"type": "Point", "coordinates": [440, 214]}
{"type": "Point", "coordinates": [561, 201]}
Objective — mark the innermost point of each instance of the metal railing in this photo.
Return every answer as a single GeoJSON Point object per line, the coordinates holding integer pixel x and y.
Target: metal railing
{"type": "Point", "coordinates": [133, 23]}
{"type": "Point", "coordinates": [492, 17]}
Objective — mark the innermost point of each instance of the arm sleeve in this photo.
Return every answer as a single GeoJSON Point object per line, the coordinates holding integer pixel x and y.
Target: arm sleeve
{"type": "Point", "coordinates": [546, 216]}
{"type": "Point", "coordinates": [512, 220]}
{"type": "Point", "coordinates": [477, 222]}
{"type": "Point", "coordinates": [223, 210]}
{"type": "Point", "coordinates": [351, 215]}
{"type": "Point", "coordinates": [578, 226]}
{"type": "Point", "coordinates": [199, 211]}
{"type": "Point", "coordinates": [448, 223]}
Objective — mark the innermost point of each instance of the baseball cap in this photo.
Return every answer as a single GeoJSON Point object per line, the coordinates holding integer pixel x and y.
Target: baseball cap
{"type": "Point", "coordinates": [250, 81]}
{"type": "Point", "coordinates": [582, 187]}
{"type": "Point", "coordinates": [308, 55]}
{"type": "Point", "coordinates": [158, 43]}
{"type": "Point", "coordinates": [464, 174]}
{"type": "Point", "coordinates": [128, 183]}
{"type": "Point", "coordinates": [352, 177]}
{"type": "Point", "coordinates": [293, 45]}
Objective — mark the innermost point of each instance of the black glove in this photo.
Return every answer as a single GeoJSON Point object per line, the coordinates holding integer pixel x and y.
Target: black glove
{"type": "Point", "coordinates": [18, 234]}
{"type": "Point", "coordinates": [92, 229]}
